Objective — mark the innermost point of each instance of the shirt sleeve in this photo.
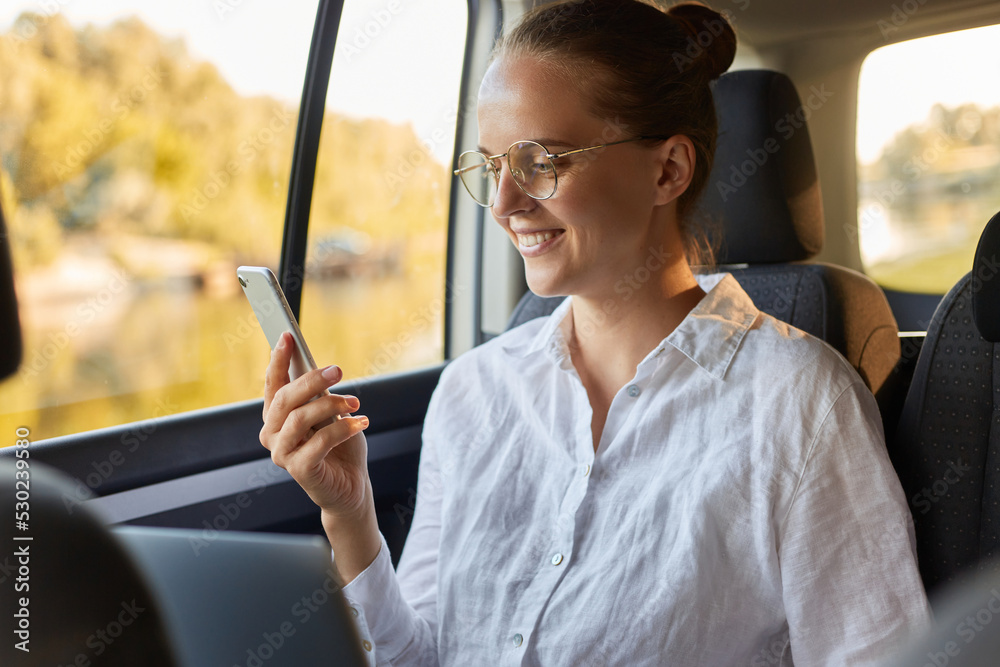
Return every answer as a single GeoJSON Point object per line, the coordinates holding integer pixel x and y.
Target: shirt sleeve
{"type": "Point", "coordinates": [851, 587]}
{"type": "Point", "coordinates": [396, 611]}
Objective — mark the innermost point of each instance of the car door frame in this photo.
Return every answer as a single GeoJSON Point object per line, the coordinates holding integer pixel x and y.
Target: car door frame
{"type": "Point", "coordinates": [206, 468]}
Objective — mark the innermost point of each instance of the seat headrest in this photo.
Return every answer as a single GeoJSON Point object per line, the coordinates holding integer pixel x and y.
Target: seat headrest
{"type": "Point", "coordinates": [84, 587]}
{"type": "Point", "coordinates": [986, 282]}
{"type": "Point", "coordinates": [763, 193]}
{"type": "Point", "coordinates": [10, 324]}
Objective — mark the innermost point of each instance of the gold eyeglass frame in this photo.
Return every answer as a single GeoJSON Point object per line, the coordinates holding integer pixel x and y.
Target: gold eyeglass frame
{"type": "Point", "coordinates": [489, 164]}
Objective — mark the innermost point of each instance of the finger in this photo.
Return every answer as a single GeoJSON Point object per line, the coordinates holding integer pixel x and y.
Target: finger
{"type": "Point", "coordinates": [305, 460]}
{"type": "Point", "coordinates": [303, 389]}
{"type": "Point", "coordinates": [314, 416]}
{"type": "Point", "coordinates": [276, 375]}
{"type": "Point", "coordinates": [300, 424]}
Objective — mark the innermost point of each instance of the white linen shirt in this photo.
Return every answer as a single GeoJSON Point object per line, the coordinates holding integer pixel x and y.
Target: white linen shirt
{"type": "Point", "coordinates": [740, 509]}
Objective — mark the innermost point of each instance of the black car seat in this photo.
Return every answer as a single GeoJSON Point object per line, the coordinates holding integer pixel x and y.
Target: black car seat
{"type": "Point", "coordinates": [10, 327]}
{"type": "Point", "coordinates": [763, 198]}
{"type": "Point", "coordinates": [70, 587]}
{"type": "Point", "coordinates": [947, 446]}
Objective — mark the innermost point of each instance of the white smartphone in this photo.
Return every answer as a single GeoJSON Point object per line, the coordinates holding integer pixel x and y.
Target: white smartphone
{"type": "Point", "coordinates": [274, 315]}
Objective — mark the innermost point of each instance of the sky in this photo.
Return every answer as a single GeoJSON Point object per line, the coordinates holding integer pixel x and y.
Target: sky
{"type": "Point", "coordinates": [413, 56]}
{"type": "Point", "coordinates": [900, 83]}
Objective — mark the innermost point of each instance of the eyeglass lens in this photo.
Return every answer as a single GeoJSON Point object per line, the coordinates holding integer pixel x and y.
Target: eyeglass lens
{"type": "Point", "coordinates": [529, 164]}
{"type": "Point", "coordinates": [479, 177]}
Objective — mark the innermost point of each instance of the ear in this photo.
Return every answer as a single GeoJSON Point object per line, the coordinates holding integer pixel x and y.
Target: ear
{"type": "Point", "coordinates": [675, 159]}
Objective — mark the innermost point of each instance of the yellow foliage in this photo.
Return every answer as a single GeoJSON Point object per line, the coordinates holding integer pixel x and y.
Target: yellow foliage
{"type": "Point", "coordinates": [117, 129]}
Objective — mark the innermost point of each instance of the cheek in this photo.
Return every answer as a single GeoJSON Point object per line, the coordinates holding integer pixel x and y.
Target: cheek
{"type": "Point", "coordinates": [605, 213]}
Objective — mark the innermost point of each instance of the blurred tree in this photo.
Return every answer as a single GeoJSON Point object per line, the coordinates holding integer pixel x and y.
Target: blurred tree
{"type": "Point", "coordinates": [118, 130]}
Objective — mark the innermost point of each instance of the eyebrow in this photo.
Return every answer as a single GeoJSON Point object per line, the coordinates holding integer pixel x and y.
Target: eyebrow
{"type": "Point", "coordinates": [548, 142]}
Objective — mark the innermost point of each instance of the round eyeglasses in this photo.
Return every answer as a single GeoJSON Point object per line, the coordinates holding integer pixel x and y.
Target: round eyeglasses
{"type": "Point", "coordinates": [530, 163]}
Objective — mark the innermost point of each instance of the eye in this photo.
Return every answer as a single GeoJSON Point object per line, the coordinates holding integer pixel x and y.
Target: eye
{"type": "Point", "coordinates": [542, 167]}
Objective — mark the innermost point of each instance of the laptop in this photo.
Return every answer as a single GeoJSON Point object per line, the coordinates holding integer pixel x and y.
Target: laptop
{"type": "Point", "coordinates": [234, 599]}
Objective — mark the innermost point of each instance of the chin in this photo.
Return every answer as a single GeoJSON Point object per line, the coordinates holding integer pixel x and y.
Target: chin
{"type": "Point", "coordinates": [546, 286]}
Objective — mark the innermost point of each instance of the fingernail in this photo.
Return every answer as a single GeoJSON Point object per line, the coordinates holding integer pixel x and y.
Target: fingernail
{"type": "Point", "coordinates": [331, 373]}
{"type": "Point", "coordinates": [352, 402]}
{"type": "Point", "coordinates": [364, 422]}
{"type": "Point", "coordinates": [281, 342]}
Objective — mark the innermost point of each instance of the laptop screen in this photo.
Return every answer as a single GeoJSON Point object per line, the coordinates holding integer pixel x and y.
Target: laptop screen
{"type": "Point", "coordinates": [235, 599]}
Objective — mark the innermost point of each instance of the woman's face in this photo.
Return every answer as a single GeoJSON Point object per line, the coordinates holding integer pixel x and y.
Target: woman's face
{"type": "Point", "coordinates": [607, 216]}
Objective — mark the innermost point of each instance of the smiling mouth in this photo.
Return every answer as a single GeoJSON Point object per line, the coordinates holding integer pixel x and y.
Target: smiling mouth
{"type": "Point", "coordinates": [529, 240]}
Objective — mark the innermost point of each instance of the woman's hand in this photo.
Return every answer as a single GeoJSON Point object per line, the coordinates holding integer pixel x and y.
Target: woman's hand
{"type": "Point", "coordinates": [325, 453]}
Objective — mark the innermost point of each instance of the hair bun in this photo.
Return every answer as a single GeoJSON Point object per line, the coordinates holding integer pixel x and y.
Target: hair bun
{"type": "Point", "coordinates": [712, 40]}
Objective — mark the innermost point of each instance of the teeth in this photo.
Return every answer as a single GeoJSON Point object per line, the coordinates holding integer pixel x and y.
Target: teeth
{"type": "Point", "coordinates": [529, 240]}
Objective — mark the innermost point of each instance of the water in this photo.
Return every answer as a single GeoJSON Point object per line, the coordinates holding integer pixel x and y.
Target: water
{"type": "Point", "coordinates": [132, 351]}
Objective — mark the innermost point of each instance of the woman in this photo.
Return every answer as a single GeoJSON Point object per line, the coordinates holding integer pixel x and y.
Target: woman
{"type": "Point", "coordinates": [671, 477]}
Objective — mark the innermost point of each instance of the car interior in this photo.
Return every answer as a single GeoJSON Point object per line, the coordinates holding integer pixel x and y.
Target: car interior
{"type": "Point", "coordinates": [787, 228]}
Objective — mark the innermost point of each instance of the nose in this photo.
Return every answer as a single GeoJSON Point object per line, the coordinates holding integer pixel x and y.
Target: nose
{"type": "Point", "coordinates": [510, 198]}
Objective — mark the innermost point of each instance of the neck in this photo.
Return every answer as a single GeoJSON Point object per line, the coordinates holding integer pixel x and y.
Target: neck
{"type": "Point", "coordinates": [611, 334]}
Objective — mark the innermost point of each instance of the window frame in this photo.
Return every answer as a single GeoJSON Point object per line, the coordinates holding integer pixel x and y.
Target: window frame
{"type": "Point", "coordinates": [484, 21]}
{"type": "Point", "coordinates": [204, 445]}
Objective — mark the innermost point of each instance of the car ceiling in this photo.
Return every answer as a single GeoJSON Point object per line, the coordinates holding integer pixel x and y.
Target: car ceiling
{"type": "Point", "coordinates": [774, 24]}
{"type": "Point", "coordinates": [769, 22]}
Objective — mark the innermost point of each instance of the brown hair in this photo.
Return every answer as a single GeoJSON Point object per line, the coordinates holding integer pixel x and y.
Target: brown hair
{"type": "Point", "coordinates": [647, 70]}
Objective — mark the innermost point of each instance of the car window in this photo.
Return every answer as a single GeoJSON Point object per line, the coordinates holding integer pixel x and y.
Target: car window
{"type": "Point", "coordinates": [145, 151]}
{"type": "Point", "coordinates": [374, 293]}
{"type": "Point", "coordinates": [928, 157]}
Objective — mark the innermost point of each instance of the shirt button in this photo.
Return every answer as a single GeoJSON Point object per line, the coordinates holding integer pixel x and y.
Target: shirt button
{"type": "Point", "coordinates": [585, 469]}
{"type": "Point", "coordinates": [354, 612]}
{"type": "Point", "coordinates": [633, 390]}
{"type": "Point", "coordinates": [367, 645]}
{"type": "Point", "coordinates": [557, 559]}
{"type": "Point", "coordinates": [517, 640]}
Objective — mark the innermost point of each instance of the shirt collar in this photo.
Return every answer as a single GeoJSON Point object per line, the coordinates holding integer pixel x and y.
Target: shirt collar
{"type": "Point", "coordinates": [548, 336]}
{"type": "Point", "coordinates": [709, 336]}
{"type": "Point", "coordinates": [712, 332]}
